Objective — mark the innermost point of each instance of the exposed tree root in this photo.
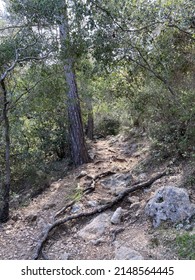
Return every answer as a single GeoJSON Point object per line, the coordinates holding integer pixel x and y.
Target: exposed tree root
{"type": "Point", "coordinates": [94, 179]}
{"type": "Point", "coordinates": [97, 210]}
{"type": "Point", "coordinates": [63, 210]}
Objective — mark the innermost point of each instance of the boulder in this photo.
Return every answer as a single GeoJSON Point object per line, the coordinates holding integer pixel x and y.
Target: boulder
{"type": "Point", "coordinates": [96, 228]}
{"type": "Point", "coordinates": [169, 203]}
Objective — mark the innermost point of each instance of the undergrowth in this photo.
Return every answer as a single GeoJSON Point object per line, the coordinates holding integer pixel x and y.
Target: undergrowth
{"type": "Point", "coordinates": [186, 246]}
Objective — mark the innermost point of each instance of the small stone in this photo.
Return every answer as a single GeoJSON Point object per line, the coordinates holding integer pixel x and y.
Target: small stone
{"type": "Point", "coordinates": [116, 217]}
{"type": "Point", "coordinates": [179, 226]}
{"type": "Point", "coordinates": [76, 208]}
{"type": "Point", "coordinates": [82, 174]}
{"type": "Point", "coordinates": [31, 218]}
{"type": "Point", "coordinates": [135, 206]}
{"type": "Point", "coordinates": [49, 206]}
{"type": "Point", "coordinates": [92, 155]}
{"type": "Point", "coordinates": [92, 203]}
{"type": "Point", "coordinates": [97, 241]}
{"type": "Point", "coordinates": [133, 199]}
{"type": "Point", "coordinates": [142, 177]}
{"type": "Point", "coordinates": [188, 227]}
{"type": "Point", "coordinates": [16, 217]}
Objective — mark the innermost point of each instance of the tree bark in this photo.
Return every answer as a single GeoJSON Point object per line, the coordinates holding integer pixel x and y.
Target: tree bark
{"type": "Point", "coordinates": [5, 185]}
{"type": "Point", "coordinates": [76, 133]}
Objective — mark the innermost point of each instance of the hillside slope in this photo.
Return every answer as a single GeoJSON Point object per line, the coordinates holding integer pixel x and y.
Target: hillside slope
{"type": "Point", "coordinates": [120, 157]}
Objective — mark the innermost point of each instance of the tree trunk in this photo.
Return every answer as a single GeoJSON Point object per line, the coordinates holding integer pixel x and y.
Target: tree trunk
{"type": "Point", "coordinates": [77, 140]}
{"type": "Point", "coordinates": [5, 185]}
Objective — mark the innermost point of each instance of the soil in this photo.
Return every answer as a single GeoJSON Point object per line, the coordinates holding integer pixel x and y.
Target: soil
{"type": "Point", "coordinates": [20, 235]}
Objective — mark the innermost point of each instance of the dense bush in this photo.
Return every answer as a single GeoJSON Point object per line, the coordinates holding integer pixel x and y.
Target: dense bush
{"type": "Point", "coordinates": [107, 126]}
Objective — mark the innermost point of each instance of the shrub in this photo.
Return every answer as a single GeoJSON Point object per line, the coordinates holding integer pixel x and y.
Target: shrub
{"type": "Point", "coordinates": [107, 126]}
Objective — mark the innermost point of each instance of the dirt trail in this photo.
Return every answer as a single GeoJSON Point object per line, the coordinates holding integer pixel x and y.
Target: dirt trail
{"type": "Point", "coordinates": [18, 237]}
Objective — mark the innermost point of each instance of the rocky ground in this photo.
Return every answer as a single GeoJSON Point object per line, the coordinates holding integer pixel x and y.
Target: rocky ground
{"type": "Point", "coordinates": [129, 234]}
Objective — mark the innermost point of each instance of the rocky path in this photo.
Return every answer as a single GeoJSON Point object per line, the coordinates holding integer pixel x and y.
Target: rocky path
{"type": "Point", "coordinates": [129, 236]}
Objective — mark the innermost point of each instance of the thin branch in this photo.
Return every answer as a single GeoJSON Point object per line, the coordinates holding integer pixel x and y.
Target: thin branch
{"type": "Point", "coordinates": [11, 27]}
{"type": "Point", "coordinates": [182, 30]}
{"type": "Point", "coordinates": [4, 75]}
{"type": "Point", "coordinates": [148, 68]}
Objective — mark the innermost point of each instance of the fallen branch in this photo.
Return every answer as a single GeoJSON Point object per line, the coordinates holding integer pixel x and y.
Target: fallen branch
{"type": "Point", "coordinates": [97, 210]}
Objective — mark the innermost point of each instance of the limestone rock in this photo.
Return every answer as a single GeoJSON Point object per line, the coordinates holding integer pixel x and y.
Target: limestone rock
{"type": "Point", "coordinates": [92, 203]}
{"type": "Point", "coordinates": [96, 228]}
{"type": "Point", "coordinates": [76, 208]}
{"type": "Point", "coordinates": [133, 199]}
{"type": "Point", "coordinates": [169, 203]}
{"type": "Point", "coordinates": [117, 182]}
{"type": "Point", "coordinates": [116, 217]}
{"type": "Point", "coordinates": [82, 174]}
{"type": "Point", "coordinates": [135, 206]}
{"type": "Point", "coordinates": [97, 242]}
{"type": "Point", "coordinates": [126, 253]}
{"type": "Point", "coordinates": [65, 256]}
{"type": "Point", "coordinates": [142, 177]}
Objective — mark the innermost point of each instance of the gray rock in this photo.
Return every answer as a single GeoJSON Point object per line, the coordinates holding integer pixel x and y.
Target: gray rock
{"type": "Point", "coordinates": [126, 253]}
{"type": "Point", "coordinates": [97, 242]}
{"type": "Point", "coordinates": [142, 177]}
{"type": "Point", "coordinates": [133, 199]}
{"type": "Point", "coordinates": [82, 174]}
{"type": "Point", "coordinates": [116, 217]}
{"type": "Point", "coordinates": [117, 182]}
{"type": "Point", "coordinates": [92, 203]}
{"type": "Point", "coordinates": [96, 228]}
{"type": "Point", "coordinates": [179, 226]}
{"type": "Point", "coordinates": [188, 227]}
{"type": "Point", "coordinates": [169, 203]}
{"type": "Point", "coordinates": [76, 208]}
{"type": "Point", "coordinates": [65, 256]}
{"type": "Point", "coordinates": [49, 206]}
{"type": "Point", "coordinates": [135, 206]}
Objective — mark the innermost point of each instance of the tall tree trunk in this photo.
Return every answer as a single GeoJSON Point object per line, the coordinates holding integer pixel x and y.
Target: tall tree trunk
{"type": "Point", "coordinates": [76, 133]}
{"type": "Point", "coordinates": [5, 185]}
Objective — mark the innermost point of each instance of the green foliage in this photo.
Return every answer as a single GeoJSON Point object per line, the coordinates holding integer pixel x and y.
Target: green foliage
{"type": "Point", "coordinates": [38, 125]}
{"type": "Point", "coordinates": [134, 63]}
{"type": "Point", "coordinates": [7, 52]}
{"type": "Point", "coordinates": [186, 245]}
{"type": "Point", "coordinates": [107, 126]}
